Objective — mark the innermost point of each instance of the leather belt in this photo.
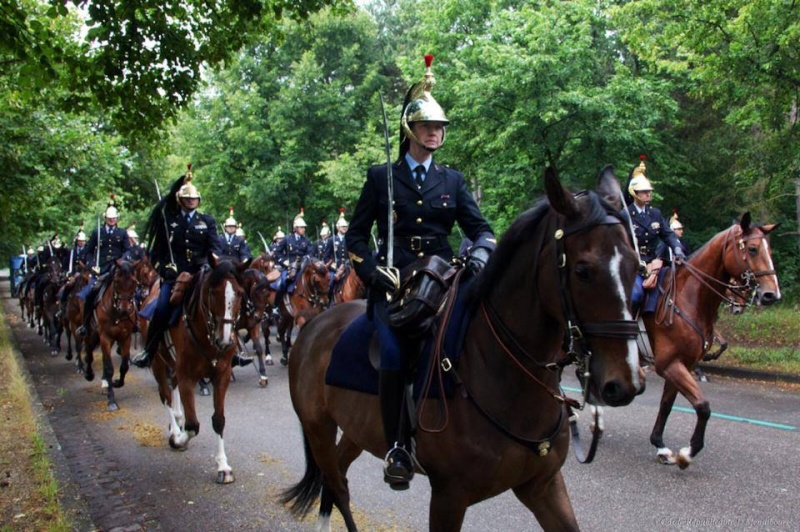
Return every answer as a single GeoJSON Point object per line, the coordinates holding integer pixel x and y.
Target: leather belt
{"type": "Point", "coordinates": [422, 243]}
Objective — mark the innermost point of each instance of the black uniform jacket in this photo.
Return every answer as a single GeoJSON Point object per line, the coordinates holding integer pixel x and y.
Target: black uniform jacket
{"type": "Point", "coordinates": [337, 249]}
{"type": "Point", "coordinates": [112, 246]}
{"type": "Point", "coordinates": [192, 242]}
{"type": "Point", "coordinates": [237, 249]}
{"type": "Point", "coordinates": [423, 218]}
{"type": "Point", "coordinates": [650, 228]}
{"type": "Point", "coordinates": [293, 247]}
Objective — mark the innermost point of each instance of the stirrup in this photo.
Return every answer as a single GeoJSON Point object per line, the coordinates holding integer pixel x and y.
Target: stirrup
{"type": "Point", "coordinates": [141, 360]}
{"type": "Point", "coordinates": [398, 468]}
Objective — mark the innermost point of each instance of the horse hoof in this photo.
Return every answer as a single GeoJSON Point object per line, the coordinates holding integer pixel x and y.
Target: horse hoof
{"type": "Point", "coordinates": [284, 361]}
{"type": "Point", "coordinates": [268, 360]}
{"type": "Point", "coordinates": [118, 383]}
{"type": "Point", "coordinates": [69, 356]}
{"type": "Point", "coordinates": [205, 392]}
{"type": "Point", "coordinates": [666, 457]}
{"type": "Point", "coordinates": [89, 375]}
{"type": "Point", "coordinates": [263, 381]}
{"type": "Point", "coordinates": [684, 457]}
{"type": "Point", "coordinates": [225, 477]}
{"type": "Point", "coordinates": [112, 406]}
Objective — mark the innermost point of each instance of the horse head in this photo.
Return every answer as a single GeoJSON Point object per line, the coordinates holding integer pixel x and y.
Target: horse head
{"type": "Point", "coordinates": [561, 278]}
{"type": "Point", "coordinates": [146, 276]}
{"type": "Point", "coordinates": [123, 287]}
{"type": "Point", "coordinates": [221, 294]}
{"type": "Point", "coordinates": [750, 260]}
{"type": "Point", "coordinates": [317, 280]}
{"type": "Point", "coordinates": [256, 288]}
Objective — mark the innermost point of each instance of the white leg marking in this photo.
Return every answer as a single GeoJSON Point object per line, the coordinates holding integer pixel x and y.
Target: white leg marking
{"type": "Point", "coordinates": [615, 268]}
{"type": "Point", "coordinates": [324, 523]}
{"type": "Point", "coordinates": [220, 457]}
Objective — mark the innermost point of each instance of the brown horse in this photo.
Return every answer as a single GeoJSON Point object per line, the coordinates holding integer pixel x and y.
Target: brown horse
{"type": "Point", "coordinates": [201, 345]}
{"type": "Point", "coordinates": [348, 285]}
{"type": "Point", "coordinates": [561, 275]}
{"type": "Point", "coordinates": [113, 321]}
{"type": "Point", "coordinates": [255, 312]}
{"type": "Point", "coordinates": [682, 328]}
{"type": "Point", "coordinates": [148, 287]}
{"type": "Point", "coordinates": [310, 297]}
{"type": "Point", "coordinates": [73, 312]}
{"type": "Point", "coordinates": [52, 283]}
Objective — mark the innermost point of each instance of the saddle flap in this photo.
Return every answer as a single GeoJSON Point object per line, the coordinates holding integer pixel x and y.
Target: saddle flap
{"type": "Point", "coordinates": [422, 295]}
{"type": "Point", "coordinates": [182, 285]}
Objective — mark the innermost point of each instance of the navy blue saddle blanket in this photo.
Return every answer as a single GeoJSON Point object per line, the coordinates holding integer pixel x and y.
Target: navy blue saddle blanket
{"type": "Point", "coordinates": [350, 366]}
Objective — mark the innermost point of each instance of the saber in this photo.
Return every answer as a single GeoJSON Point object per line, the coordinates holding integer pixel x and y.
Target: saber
{"type": "Point", "coordinates": [390, 187]}
{"type": "Point", "coordinates": [25, 258]}
{"type": "Point", "coordinates": [264, 241]}
{"type": "Point", "coordinates": [158, 190]}
{"type": "Point", "coordinates": [99, 243]}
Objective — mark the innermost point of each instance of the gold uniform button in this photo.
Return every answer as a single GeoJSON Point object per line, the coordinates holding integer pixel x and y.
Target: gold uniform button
{"type": "Point", "coordinates": [420, 254]}
{"type": "Point", "coordinates": [419, 202]}
{"type": "Point", "coordinates": [419, 220]}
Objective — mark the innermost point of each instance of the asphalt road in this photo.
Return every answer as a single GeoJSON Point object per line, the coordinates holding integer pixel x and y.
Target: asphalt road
{"type": "Point", "coordinates": [120, 474]}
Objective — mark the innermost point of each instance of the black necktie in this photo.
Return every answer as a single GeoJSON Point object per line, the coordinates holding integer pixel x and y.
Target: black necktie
{"type": "Point", "coordinates": [419, 175]}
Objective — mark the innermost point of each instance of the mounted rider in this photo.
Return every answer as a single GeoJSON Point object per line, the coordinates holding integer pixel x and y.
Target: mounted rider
{"type": "Point", "coordinates": [650, 229]}
{"type": "Point", "coordinates": [428, 200]}
{"type": "Point", "coordinates": [137, 250]}
{"type": "Point", "coordinates": [182, 239]}
{"type": "Point", "coordinates": [290, 252]}
{"type": "Point", "coordinates": [233, 246]}
{"type": "Point", "coordinates": [277, 238]}
{"type": "Point", "coordinates": [320, 249]}
{"type": "Point", "coordinates": [77, 254]}
{"type": "Point", "coordinates": [106, 244]}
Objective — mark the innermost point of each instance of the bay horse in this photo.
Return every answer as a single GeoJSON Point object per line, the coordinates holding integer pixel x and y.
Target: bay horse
{"type": "Point", "coordinates": [256, 310]}
{"type": "Point", "coordinates": [310, 297]}
{"type": "Point", "coordinates": [73, 311]}
{"type": "Point", "coordinates": [348, 285]}
{"type": "Point", "coordinates": [148, 287]}
{"type": "Point", "coordinates": [52, 282]}
{"type": "Point", "coordinates": [201, 345]}
{"type": "Point", "coordinates": [563, 272]}
{"type": "Point", "coordinates": [113, 321]}
{"type": "Point", "coordinates": [682, 328]}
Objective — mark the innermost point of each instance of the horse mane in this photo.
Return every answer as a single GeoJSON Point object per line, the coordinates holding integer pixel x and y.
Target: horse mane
{"type": "Point", "coordinates": [527, 227]}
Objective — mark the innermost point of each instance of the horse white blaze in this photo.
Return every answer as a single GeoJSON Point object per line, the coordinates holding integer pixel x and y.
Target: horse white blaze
{"type": "Point", "coordinates": [615, 268]}
{"type": "Point", "coordinates": [227, 328]}
{"type": "Point", "coordinates": [771, 267]}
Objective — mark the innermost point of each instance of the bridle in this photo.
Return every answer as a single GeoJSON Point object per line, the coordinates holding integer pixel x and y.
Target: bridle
{"type": "Point", "coordinates": [121, 307]}
{"type": "Point", "coordinates": [203, 304]}
{"type": "Point", "coordinates": [311, 291]}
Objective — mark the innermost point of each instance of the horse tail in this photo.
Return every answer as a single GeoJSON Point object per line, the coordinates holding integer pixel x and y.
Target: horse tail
{"type": "Point", "coordinates": [305, 493]}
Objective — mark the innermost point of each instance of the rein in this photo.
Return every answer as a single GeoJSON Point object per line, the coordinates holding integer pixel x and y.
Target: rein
{"type": "Point", "coordinates": [197, 304]}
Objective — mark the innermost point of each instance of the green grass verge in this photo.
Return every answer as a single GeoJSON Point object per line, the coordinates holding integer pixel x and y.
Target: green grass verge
{"type": "Point", "coordinates": [762, 338]}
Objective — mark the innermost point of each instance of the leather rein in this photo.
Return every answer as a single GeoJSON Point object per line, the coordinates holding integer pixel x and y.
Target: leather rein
{"type": "Point", "coordinates": [198, 304]}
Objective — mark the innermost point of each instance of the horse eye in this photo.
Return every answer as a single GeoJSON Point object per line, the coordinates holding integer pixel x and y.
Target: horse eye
{"type": "Point", "coordinates": [753, 250]}
{"type": "Point", "coordinates": [583, 272]}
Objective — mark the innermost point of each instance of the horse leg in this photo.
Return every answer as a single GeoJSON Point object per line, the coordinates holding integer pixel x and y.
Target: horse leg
{"type": "Point", "coordinates": [89, 345]}
{"type": "Point", "coordinates": [668, 395]}
{"type": "Point", "coordinates": [125, 364]}
{"type": "Point", "coordinates": [108, 375]}
{"type": "Point", "coordinates": [347, 452]}
{"type": "Point", "coordinates": [263, 380]}
{"type": "Point", "coordinates": [224, 470]}
{"type": "Point", "coordinates": [448, 505]}
{"type": "Point", "coordinates": [550, 505]}
{"type": "Point", "coordinates": [682, 381]}
{"type": "Point", "coordinates": [191, 425]}
{"type": "Point", "coordinates": [265, 334]}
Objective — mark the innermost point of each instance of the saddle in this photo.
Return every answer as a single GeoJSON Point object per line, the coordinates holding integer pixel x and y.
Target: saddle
{"type": "Point", "coordinates": [182, 285]}
{"type": "Point", "coordinates": [422, 295]}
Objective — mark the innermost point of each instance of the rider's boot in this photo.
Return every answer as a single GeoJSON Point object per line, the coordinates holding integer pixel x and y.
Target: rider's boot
{"type": "Point", "coordinates": [398, 468]}
{"type": "Point", "coordinates": [144, 358]}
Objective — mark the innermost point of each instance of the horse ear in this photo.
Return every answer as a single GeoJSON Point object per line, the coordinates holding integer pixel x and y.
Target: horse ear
{"type": "Point", "coordinates": [770, 227]}
{"type": "Point", "coordinates": [561, 199]}
{"type": "Point", "coordinates": [745, 222]}
{"type": "Point", "coordinates": [213, 260]}
{"type": "Point", "coordinates": [608, 187]}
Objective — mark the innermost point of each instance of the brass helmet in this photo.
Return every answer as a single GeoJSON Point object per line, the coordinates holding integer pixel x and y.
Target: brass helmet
{"type": "Point", "coordinates": [279, 234]}
{"type": "Point", "coordinates": [420, 106]}
{"type": "Point", "coordinates": [132, 232]}
{"type": "Point", "coordinates": [674, 223]}
{"type": "Point", "coordinates": [55, 242]}
{"type": "Point", "coordinates": [81, 236]}
{"type": "Point", "coordinates": [239, 230]}
{"type": "Point", "coordinates": [639, 182]}
{"type": "Point", "coordinates": [299, 220]}
{"type": "Point", "coordinates": [341, 222]}
{"type": "Point", "coordinates": [30, 251]}
{"type": "Point", "coordinates": [325, 231]}
{"type": "Point", "coordinates": [230, 221]}
{"type": "Point", "coordinates": [187, 190]}
{"type": "Point", "coordinates": [111, 210]}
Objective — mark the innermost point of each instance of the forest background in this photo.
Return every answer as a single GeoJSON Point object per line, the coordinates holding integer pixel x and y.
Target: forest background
{"type": "Point", "coordinates": [276, 104]}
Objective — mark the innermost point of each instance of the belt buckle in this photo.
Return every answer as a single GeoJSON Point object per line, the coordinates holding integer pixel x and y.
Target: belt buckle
{"type": "Point", "coordinates": [416, 243]}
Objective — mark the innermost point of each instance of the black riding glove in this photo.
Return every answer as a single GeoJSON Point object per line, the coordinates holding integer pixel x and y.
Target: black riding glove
{"type": "Point", "coordinates": [477, 260]}
{"type": "Point", "coordinates": [384, 280]}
